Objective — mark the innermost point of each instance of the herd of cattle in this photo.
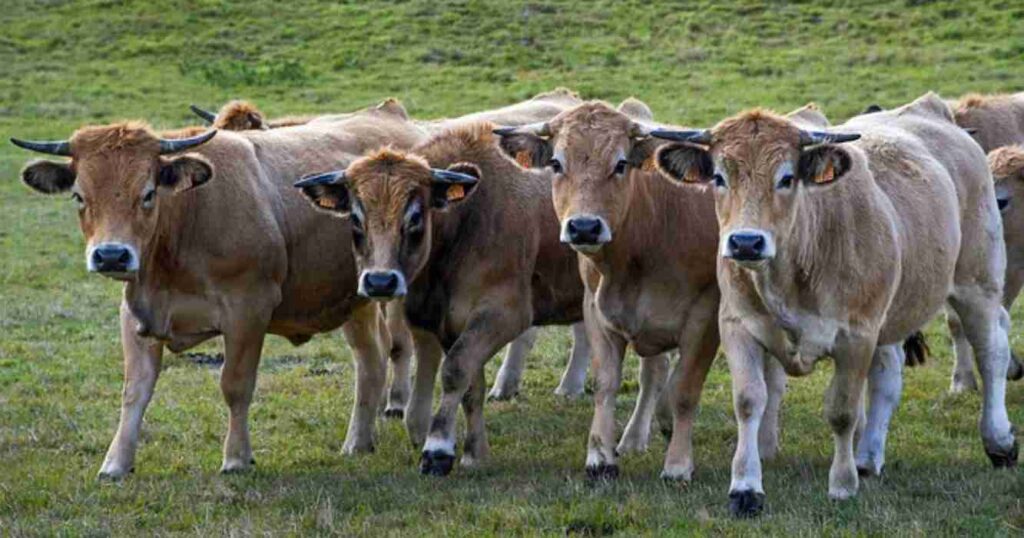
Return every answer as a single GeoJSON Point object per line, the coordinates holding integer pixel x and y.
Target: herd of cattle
{"type": "Point", "coordinates": [783, 239]}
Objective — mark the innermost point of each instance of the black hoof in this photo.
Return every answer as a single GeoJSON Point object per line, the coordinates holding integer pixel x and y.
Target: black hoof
{"type": "Point", "coordinates": [603, 471]}
{"type": "Point", "coordinates": [1001, 460]}
{"type": "Point", "coordinates": [864, 472]}
{"type": "Point", "coordinates": [746, 504]}
{"type": "Point", "coordinates": [436, 463]}
{"type": "Point", "coordinates": [394, 413]}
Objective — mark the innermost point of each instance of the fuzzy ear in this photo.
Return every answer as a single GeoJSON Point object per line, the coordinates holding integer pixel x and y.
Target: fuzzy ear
{"type": "Point", "coordinates": [686, 163]}
{"type": "Point", "coordinates": [641, 155]}
{"type": "Point", "coordinates": [328, 192]}
{"type": "Point", "coordinates": [823, 165]}
{"type": "Point", "coordinates": [453, 185]}
{"type": "Point", "coordinates": [48, 177]}
{"type": "Point", "coordinates": [185, 172]}
{"type": "Point", "coordinates": [529, 150]}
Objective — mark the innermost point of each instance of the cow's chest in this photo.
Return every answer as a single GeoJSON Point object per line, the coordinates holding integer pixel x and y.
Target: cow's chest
{"type": "Point", "coordinates": [797, 331]}
{"type": "Point", "coordinates": [179, 320]}
{"type": "Point", "coordinates": [649, 316]}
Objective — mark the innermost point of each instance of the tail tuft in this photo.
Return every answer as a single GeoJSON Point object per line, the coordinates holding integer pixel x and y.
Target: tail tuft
{"type": "Point", "coordinates": [916, 349]}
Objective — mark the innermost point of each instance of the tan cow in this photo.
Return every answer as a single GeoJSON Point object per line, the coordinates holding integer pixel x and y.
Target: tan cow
{"type": "Point", "coordinates": [843, 243]}
{"type": "Point", "coordinates": [243, 115]}
{"type": "Point", "coordinates": [216, 242]}
{"type": "Point", "coordinates": [468, 239]}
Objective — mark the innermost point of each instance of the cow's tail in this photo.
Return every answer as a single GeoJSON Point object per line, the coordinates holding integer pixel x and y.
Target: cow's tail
{"type": "Point", "coordinates": [916, 349]}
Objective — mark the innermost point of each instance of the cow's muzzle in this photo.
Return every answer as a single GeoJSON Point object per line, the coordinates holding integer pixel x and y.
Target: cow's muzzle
{"type": "Point", "coordinates": [382, 285]}
{"type": "Point", "coordinates": [586, 233]}
{"type": "Point", "coordinates": [748, 246]}
{"type": "Point", "coordinates": [115, 260]}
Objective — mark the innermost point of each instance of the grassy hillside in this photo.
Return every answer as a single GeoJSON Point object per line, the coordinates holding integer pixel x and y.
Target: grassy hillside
{"type": "Point", "coordinates": [66, 63]}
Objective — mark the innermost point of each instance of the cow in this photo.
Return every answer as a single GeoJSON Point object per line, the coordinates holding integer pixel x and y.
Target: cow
{"type": "Point", "coordinates": [843, 243]}
{"type": "Point", "coordinates": [243, 115]}
{"type": "Point", "coordinates": [429, 221]}
{"type": "Point", "coordinates": [210, 239]}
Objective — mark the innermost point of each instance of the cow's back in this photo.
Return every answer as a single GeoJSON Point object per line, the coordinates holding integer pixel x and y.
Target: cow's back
{"type": "Point", "coordinates": [997, 120]}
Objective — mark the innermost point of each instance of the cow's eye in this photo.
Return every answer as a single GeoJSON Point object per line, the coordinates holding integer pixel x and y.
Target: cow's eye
{"type": "Point", "coordinates": [556, 166]}
{"type": "Point", "coordinates": [1003, 204]}
{"type": "Point", "coordinates": [414, 221]}
{"type": "Point", "coordinates": [149, 198]}
{"type": "Point", "coordinates": [719, 180]}
{"type": "Point", "coordinates": [785, 182]}
{"type": "Point", "coordinates": [620, 167]}
{"type": "Point", "coordinates": [78, 200]}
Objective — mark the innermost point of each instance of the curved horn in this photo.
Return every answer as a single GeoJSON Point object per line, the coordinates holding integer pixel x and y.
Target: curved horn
{"type": "Point", "coordinates": [447, 176]}
{"type": "Point", "coordinates": [695, 136]}
{"type": "Point", "coordinates": [181, 144]}
{"type": "Point", "coordinates": [57, 147]}
{"type": "Point", "coordinates": [326, 178]}
{"type": "Point", "coordinates": [810, 138]}
{"type": "Point", "coordinates": [536, 129]}
{"type": "Point", "coordinates": [205, 114]}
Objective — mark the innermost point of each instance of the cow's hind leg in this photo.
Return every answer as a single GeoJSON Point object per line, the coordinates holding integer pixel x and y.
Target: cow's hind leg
{"type": "Point", "coordinates": [575, 375]}
{"type": "Point", "coordinates": [243, 345]}
{"type": "Point", "coordinates": [510, 375]}
{"type": "Point", "coordinates": [768, 434]}
{"type": "Point", "coordinates": [401, 361]}
{"type": "Point", "coordinates": [362, 331]}
{"type": "Point", "coordinates": [476, 448]}
{"type": "Point", "coordinates": [885, 384]}
{"type": "Point", "coordinates": [428, 358]}
{"type": "Point", "coordinates": [684, 396]}
{"type": "Point", "coordinates": [653, 375]}
{"type": "Point", "coordinates": [141, 368]}
{"type": "Point", "coordinates": [842, 407]}
{"type": "Point", "coordinates": [963, 370]}
{"type": "Point", "coordinates": [981, 315]}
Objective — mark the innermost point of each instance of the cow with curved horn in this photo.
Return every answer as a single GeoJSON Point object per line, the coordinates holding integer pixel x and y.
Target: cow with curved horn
{"type": "Point", "coordinates": [842, 243]}
{"type": "Point", "coordinates": [210, 239]}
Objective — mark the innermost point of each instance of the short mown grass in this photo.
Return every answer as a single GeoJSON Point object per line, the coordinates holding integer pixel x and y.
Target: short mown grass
{"type": "Point", "coordinates": [67, 63]}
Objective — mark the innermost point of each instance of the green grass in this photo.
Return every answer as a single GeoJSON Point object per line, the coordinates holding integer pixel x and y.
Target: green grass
{"type": "Point", "coordinates": [66, 63]}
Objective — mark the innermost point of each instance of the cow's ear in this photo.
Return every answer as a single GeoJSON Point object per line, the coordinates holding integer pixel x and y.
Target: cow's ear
{"type": "Point", "coordinates": [641, 155]}
{"type": "Point", "coordinates": [528, 150]}
{"type": "Point", "coordinates": [184, 173]}
{"type": "Point", "coordinates": [686, 163]}
{"type": "Point", "coordinates": [823, 164]}
{"type": "Point", "coordinates": [328, 192]}
{"type": "Point", "coordinates": [453, 185]}
{"type": "Point", "coordinates": [48, 177]}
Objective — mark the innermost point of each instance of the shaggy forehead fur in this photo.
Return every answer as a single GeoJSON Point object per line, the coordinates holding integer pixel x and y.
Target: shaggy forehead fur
{"type": "Point", "coordinates": [238, 116]}
{"type": "Point", "coordinates": [474, 143]}
{"type": "Point", "coordinates": [1006, 161]}
{"type": "Point", "coordinates": [131, 136]}
{"type": "Point", "coordinates": [593, 129]}
{"type": "Point", "coordinates": [755, 138]}
{"type": "Point", "coordinates": [383, 181]}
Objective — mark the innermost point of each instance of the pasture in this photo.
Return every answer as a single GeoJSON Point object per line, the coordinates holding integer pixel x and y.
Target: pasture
{"type": "Point", "coordinates": [68, 63]}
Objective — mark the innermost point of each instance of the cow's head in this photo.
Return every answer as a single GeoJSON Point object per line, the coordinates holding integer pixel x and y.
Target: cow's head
{"type": "Point", "coordinates": [390, 198]}
{"type": "Point", "coordinates": [762, 167]}
{"type": "Point", "coordinates": [1007, 165]}
{"type": "Point", "coordinates": [592, 150]}
{"type": "Point", "coordinates": [234, 116]}
{"type": "Point", "coordinates": [119, 177]}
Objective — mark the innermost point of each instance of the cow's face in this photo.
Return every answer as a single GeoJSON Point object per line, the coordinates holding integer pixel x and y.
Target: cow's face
{"type": "Point", "coordinates": [762, 168]}
{"type": "Point", "coordinates": [591, 151]}
{"type": "Point", "coordinates": [390, 198]}
{"type": "Point", "coordinates": [119, 180]}
{"type": "Point", "coordinates": [1007, 165]}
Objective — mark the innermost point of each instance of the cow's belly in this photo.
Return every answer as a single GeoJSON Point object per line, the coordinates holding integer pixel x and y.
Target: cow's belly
{"type": "Point", "coordinates": [652, 323]}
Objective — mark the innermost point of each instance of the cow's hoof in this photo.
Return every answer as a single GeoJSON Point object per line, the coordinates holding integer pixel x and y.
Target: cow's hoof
{"type": "Point", "coordinates": [1002, 459]}
{"type": "Point", "coordinates": [677, 473]}
{"type": "Point", "coordinates": [569, 392]}
{"type": "Point", "coordinates": [395, 413]}
{"type": "Point", "coordinates": [602, 471]}
{"type": "Point", "coordinates": [237, 466]}
{"type": "Point", "coordinates": [436, 463]}
{"type": "Point", "coordinates": [501, 395]}
{"type": "Point", "coordinates": [113, 474]}
{"type": "Point", "coordinates": [351, 449]}
{"type": "Point", "coordinates": [746, 504]}
{"type": "Point", "coordinates": [865, 472]}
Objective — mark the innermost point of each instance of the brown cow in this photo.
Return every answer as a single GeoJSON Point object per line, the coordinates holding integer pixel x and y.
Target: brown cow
{"type": "Point", "coordinates": [217, 242]}
{"type": "Point", "coordinates": [844, 243]}
{"type": "Point", "coordinates": [243, 115]}
{"type": "Point", "coordinates": [427, 224]}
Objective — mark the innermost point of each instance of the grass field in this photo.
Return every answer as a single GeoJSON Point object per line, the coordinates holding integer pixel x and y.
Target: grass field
{"type": "Point", "coordinates": [66, 63]}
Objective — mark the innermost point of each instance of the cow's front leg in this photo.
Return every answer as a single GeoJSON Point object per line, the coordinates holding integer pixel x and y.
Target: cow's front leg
{"type": "Point", "coordinates": [653, 376]}
{"type": "Point", "coordinates": [575, 375]}
{"type": "Point", "coordinates": [485, 333]}
{"type": "Point", "coordinates": [243, 345]}
{"type": "Point", "coordinates": [428, 355]}
{"type": "Point", "coordinates": [510, 375]}
{"type": "Point", "coordinates": [362, 331]}
{"type": "Point", "coordinates": [607, 352]}
{"type": "Point", "coordinates": [842, 408]}
{"type": "Point", "coordinates": [885, 384]}
{"type": "Point", "coordinates": [141, 368]}
{"type": "Point", "coordinates": [749, 397]}
{"type": "Point", "coordinates": [401, 360]}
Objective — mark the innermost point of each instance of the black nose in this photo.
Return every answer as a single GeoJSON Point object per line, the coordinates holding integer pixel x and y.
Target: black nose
{"type": "Point", "coordinates": [380, 283]}
{"type": "Point", "coordinates": [584, 230]}
{"type": "Point", "coordinates": [111, 258]}
{"type": "Point", "coordinates": [745, 246]}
